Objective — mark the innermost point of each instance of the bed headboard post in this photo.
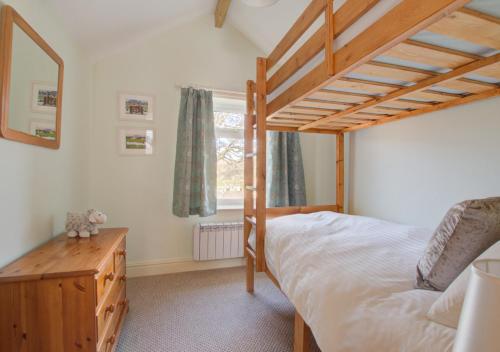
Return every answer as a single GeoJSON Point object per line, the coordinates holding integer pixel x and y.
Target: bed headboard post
{"type": "Point", "coordinates": [260, 211]}
{"type": "Point", "coordinates": [340, 172]}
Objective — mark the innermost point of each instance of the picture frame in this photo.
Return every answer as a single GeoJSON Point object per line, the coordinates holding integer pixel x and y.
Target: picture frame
{"type": "Point", "coordinates": [136, 141]}
{"type": "Point", "coordinates": [43, 129]}
{"type": "Point", "coordinates": [44, 97]}
{"type": "Point", "coordinates": [136, 107]}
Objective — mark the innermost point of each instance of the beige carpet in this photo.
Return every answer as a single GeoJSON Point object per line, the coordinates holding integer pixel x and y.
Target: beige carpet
{"type": "Point", "coordinates": [207, 311]}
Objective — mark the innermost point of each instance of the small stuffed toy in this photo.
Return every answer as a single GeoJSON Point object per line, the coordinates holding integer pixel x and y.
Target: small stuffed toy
{"type": "Point", "coordinates": [84, 224]}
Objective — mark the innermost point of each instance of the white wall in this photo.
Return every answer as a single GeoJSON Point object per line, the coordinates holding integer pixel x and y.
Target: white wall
{"type": "Point", "coordinates": [414, 170]}
{"type": "Point", "coordinates": [137, 191]}
{"type": "Point", "coordinates": [319, 158]}
{"type": "Point", "coordinates": [39, 185]}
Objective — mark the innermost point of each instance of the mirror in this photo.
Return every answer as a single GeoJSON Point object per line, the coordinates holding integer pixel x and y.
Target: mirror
{"type": "Point", "coordinates": [31, 84]}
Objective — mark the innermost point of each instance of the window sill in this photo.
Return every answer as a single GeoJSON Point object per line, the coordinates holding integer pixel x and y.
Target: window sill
{"type": "Point", "coordinates": [230, 207]}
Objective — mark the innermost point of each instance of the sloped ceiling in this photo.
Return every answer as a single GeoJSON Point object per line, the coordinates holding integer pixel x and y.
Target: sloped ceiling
{"type": "Point", "coordinates": [100, 26]}
{"type": "Point", "coordinates": [265, 26]}
{"type": "Point", "coordinates": [103, 25]}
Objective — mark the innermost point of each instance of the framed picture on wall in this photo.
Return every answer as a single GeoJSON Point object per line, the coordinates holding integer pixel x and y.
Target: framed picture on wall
{"type": "Point", "coordinates": [136, 141]}
{"type": "Point", "coordinates": [136, 107]}
{"type": "Point", "coordinates": [43, 129]}
{"type": "Point", "coordinates": [44, 97]}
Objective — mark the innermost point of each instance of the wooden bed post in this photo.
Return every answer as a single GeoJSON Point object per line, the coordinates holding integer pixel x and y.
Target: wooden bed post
{"type": "Point", "coordinates": [329, 35]}
{"type": "Point", "coordinates": [248, 180]}
{"type": "Point", "coordinates": [260, 212]}
{"type": "Point", "coordinates": [250, 274]}
{"type": "Point", "coordinates": [340, 172]}
{"type": "Point", "coordinates": [301, 335]}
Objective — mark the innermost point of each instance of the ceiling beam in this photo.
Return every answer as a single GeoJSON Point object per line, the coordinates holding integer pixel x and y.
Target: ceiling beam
{"type": "Point", "coordinates": [221, 12]}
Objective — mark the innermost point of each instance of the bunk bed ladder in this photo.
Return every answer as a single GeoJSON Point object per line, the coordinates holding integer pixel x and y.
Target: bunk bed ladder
{"type": "Point", "coordinates": [249, 189]}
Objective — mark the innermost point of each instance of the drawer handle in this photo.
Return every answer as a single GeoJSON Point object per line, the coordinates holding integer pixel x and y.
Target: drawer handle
{"type": "Point", "coordinates": [109, 309]}
{"type": "Point", "coordinates": [109, 276]}
{"type": "Point", "coordinates": [123, 278]}
{"type": "Point", "coordinates": [123, 253]}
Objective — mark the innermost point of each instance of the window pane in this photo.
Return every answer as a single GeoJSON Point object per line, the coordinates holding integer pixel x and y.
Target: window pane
{"type": "Point", "coordinates": [229, 124]}
{"type": "Point", "coordinates": [228, 120]}
{"type": "Point", "coordinates": [230, 168]}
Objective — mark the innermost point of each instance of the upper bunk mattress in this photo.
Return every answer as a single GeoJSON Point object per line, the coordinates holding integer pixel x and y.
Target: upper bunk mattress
{"type": "Point", "coordinates": [351, 279]}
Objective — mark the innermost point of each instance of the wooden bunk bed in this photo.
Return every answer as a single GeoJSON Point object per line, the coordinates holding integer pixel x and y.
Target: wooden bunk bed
{"type": "Point", "coordinates": [331, 98]}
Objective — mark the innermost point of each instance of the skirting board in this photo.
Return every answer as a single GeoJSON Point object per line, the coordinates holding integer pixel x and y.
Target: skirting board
{"type": "Point", "coordinates": [178, 265]}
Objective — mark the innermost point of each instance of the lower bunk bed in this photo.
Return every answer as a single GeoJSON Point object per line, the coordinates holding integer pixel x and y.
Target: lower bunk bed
{"type": "Point", "coordinates": [350, 279]}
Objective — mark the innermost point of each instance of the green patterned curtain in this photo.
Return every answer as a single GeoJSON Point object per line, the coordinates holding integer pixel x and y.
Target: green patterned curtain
{"type": "Point", "coordinates": [195, 182]}
{"type": "Point", "coordinates": [285, 171]}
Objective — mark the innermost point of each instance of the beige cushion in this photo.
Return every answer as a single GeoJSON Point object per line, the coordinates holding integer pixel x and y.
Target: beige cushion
{"type": "Point", "coordinates": [446, 310]}
{"type": "Point", "coordinates": [467, 230]}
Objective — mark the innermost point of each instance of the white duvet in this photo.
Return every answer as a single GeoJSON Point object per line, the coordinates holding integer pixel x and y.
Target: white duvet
{"type": "Point", "coordinates": [351, 279]}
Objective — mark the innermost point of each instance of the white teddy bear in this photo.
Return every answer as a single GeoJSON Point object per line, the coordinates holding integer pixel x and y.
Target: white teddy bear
{"type": "Point", "coordinates": [84, 224]}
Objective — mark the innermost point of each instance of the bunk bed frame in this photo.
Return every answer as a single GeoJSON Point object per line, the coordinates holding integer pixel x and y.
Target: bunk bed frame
{"type": "Point", "coordinates": [323, 101]}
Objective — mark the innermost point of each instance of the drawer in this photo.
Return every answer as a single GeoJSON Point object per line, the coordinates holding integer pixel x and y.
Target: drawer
{"type": "Point", "coordinates": [110, 336]}
{"type": "Point", "coordinates": [105, 278]}
{"type": "Point", "coordinates": [109, 308]}
{"type": "Point", "coordinates": [120, 255]}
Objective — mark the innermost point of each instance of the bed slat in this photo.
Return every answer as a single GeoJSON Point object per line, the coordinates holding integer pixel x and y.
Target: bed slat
{"type": "Point", "coordinates": [361, 115]}
{"type": "Point", "coordinates": [356, 120]}
{"type": "Point", "coordinates": [295, 129]}
{"type": "Point", "coordinates": [422, 55]}
{"type": "Point", "coordinates": [292, 115]}
{"type": "Point", "coordinates": [344, 124]}
{"type": "Point", "coordinates": [309, 110]}
{"type": "Point", "coordinates": [465, 86]}
{"type": "Point", "coordinates": [428, 96]}
{"type": "Point", "coordinates": [286, 122]}
{"type": "Point", "coordinates": [338, 97]}
{"type": "Point", "coordinates": [470, 28]}
{"type": "Point", "coordinates": [324, 104]}
{"type": "Point", "coordinates": [366, 86]}
{"type": "Point", "coordinates": [402, 104]}
{"type": "Point", "coordinates": [391, 71]}
{"type": "Point", "coordinates": [492, 71]}
{"type": "Point", "coordinates": [383, 110]}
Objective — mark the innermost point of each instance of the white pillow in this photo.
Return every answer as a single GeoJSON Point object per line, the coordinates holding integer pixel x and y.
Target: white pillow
{"type": "Point", "coordinates": [446, 310]}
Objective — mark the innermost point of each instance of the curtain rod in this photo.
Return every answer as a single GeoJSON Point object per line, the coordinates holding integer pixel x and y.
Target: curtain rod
{"type": "Point", "coordinates": [219, 92]}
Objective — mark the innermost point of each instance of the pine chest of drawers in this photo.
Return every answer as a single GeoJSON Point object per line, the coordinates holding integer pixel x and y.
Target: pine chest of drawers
{"type": "Point", "coordinates": [66, 295]}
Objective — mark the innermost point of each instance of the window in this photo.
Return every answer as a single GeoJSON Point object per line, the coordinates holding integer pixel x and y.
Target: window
{"type": "Point", "coordinates": [229, 114]}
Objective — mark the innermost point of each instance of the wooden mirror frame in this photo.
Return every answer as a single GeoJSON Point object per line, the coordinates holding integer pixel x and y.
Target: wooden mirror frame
{"type": "Point", "coordinates": [8, 18]}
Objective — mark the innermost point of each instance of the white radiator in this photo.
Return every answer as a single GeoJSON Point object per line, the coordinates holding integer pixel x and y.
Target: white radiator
{"type": "Point", "coordinates": [218, 240]}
